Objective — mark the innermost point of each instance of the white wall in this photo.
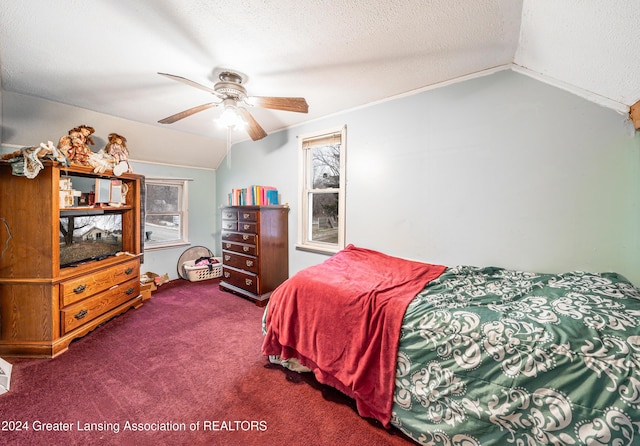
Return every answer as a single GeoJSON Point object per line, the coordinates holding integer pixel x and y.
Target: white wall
{"type": "Point", "coordinates": [0, 113]}
{"type": "Point", "coordinates": [500, 170]}
{"type": "Point", "coordinates": [28, 121]}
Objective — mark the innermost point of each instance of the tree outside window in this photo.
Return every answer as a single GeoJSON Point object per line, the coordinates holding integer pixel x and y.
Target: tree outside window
{"type": "Point", "coordinates": [321, 226]}
{"type": "Point", "coordinates": [165, 222]}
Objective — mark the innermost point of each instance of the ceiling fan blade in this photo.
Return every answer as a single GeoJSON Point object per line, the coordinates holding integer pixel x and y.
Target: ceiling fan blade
{"type": "Point", "coordinates": [183, 114]}
{"type": "Point", "coordinates": [298, 105]}
{"type": "Point", "coordinates": [254, 129]}
{"type": "Point", "coordinates": [184, 80]}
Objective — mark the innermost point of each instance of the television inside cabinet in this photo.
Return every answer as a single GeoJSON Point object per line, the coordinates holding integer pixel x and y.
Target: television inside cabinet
{"type": "Point", "coordinates": [67, 264]}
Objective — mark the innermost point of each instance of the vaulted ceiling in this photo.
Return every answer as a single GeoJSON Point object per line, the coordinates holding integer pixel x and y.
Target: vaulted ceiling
{"type": "Point", "coordinates": [104, 55]}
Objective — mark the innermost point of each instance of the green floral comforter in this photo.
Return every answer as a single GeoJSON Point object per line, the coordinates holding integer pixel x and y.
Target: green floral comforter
{"type": "Point", "coordinates": [494, 356]}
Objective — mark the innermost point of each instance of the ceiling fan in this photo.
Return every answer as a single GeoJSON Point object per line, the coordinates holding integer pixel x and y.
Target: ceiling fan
{"type": "Point", "coordinates": [233, 97]}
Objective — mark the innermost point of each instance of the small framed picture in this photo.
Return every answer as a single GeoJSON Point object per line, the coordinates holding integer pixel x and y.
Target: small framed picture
{"type": "Point", "coordinates": [116, 192]}
{"type": "Point", "coordinates": [103, 190]}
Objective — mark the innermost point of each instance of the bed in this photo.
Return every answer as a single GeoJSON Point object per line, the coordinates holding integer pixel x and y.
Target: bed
{"type": "Point", "coordinates": [466, 355]}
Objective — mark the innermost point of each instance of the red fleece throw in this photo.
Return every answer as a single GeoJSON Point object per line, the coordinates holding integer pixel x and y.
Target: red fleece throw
{"type": "Point", "coordinates": [342, 319]}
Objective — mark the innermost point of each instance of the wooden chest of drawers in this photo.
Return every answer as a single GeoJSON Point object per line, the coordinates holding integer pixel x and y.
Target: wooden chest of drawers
{"type": "Point", "coordinates": [255, 252]}
{"type": "Point", "coordinates": [86, 298]}
{"type": "Point", "coordinates": [43, 318]}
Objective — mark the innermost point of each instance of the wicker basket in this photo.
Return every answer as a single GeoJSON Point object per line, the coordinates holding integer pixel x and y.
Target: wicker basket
{"type": "Point", "coordinates": [202, 272]}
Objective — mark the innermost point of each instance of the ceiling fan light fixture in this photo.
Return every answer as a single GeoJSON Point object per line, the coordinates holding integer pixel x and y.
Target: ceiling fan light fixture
{"type": "Point", "coordinates": [230, 118]}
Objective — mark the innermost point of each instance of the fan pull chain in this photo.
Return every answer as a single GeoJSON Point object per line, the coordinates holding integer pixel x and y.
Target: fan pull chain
{"type": "Point", "coordinates": [228, 147]}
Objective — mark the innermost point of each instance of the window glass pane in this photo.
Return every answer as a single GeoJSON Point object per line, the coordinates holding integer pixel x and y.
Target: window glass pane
{"type": "Point", "coordinates": [163, 198]}
{"type": "Point", "coordinates": [325, 162]}
{"type": "Point", "coordinates": [324, 217]}
{"type": "Point", "coordinates": [322, 191]}
{"type": "Point", "coordinates": [165, 219]}
{"type": "Point", "coordinates": [162, 228]}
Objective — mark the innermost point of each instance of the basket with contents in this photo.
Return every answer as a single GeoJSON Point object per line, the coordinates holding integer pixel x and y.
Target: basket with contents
{"type": "Point", "coordinates": [203, 268]}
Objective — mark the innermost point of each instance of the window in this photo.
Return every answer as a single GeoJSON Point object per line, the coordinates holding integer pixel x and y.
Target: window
{"type": "Point", "coordinates": [322, 161]}
{"type": "Point", "coordinates": [165, 221]}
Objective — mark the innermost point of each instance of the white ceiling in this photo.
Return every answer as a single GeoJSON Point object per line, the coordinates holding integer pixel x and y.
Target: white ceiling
{"type": "Point", "coordinates": [104, 55]}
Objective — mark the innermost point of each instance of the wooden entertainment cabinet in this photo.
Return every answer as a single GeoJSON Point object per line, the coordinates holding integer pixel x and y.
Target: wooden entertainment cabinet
{"type": "Point", "coordinates": [43, 306]}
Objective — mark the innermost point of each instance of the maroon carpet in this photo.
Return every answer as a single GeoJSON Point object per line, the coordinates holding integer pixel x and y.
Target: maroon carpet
{"type": "Point", "coordinates": [184, 369]}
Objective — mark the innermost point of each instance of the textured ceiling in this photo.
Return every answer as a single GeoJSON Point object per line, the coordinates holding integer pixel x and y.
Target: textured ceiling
{"type": "Point", "coordinates": [590, 44]}
{"type": "Point", "coordinates": [104, 55]}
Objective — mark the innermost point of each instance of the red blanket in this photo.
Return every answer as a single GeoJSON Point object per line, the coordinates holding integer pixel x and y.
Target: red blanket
{"type": "Point", "coordinates": [342, 319]}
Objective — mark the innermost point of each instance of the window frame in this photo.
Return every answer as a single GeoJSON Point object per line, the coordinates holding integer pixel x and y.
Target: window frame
{"type": "Point", "coordinates": [183, 212]}
{"type": "Point", "coordinates": [305, 174]}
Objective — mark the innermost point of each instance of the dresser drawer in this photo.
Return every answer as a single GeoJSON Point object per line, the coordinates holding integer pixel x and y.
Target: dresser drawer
{"type": "Point", "coordinates": [240, 247]}
{"type": "Point", "coordinates": [239, 237]}
{"type": "Point", "coordinates": [246, 281]}
{"type": "Point", "coordinates": [75, 290]}
{"type": "Point", "coordinates": [230, 225]}
{"type": "Point", "coordinates": [229, 214]}
{"type": "Point", "coordinates": [85, 311]}
{"type": "Point", "coordinates": [248, 216]}
{"type": "Point", "coordinates": [249, 227]}
{"type": "Point", "coordinates": [240, 261]}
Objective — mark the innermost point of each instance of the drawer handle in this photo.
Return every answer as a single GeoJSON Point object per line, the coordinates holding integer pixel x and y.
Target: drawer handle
{"type": "Point", "coordinates": [227, 274]}
{"type": "Point", "coordinates": [227, 257]}
{"type": "Point", "coordinates": [246, 215]}
{"type": "Point", "coordinates": [248, 281]}
{"type": "Point", "coordinates": [245, 248]}
{"type": "Point", "coordinates": [228, 245]}
{"type": "Point", "coordinates": [81, 314]}
{"type": "Point", "coordinates": [249, 263]}
{"type": "Point", "coordinates": [246, 227]}
{"type": "Point", "coordinates": [79, 289]}
{"type": "Point", "coordinates": [128, 271]}
{"type": "Point", "coordinates": [130, 291]}
{"type": "Point", "coordinates": [245, 237]}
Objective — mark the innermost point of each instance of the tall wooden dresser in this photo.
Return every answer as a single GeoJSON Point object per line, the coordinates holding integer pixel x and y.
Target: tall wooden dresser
{"type": "Point", "coordinates": [255, 251]}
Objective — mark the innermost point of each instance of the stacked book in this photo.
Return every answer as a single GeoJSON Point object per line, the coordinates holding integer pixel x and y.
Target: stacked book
{"type": "Point", "coordinates": [254, 196]}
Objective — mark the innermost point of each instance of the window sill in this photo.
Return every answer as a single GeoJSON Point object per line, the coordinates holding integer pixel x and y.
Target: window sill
{"type": "Point", "coordinates": [165, 246]}
{"type": "Point", "coordinates": [318, 249]}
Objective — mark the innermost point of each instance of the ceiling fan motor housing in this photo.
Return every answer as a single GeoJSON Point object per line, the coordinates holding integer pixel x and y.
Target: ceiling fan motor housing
{"type": "Point", "coordinates": [230, 86]}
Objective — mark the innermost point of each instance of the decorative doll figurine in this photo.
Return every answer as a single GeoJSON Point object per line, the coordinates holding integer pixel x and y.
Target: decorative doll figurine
{"type": "Point", "coordinates": [81, 150]}
{"type": "Point", "coordinates": [66, 148]}
{"type": "Point", "coordinates": [117, 148]}
{"type": "Point", "coordinates": [87, 131]}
